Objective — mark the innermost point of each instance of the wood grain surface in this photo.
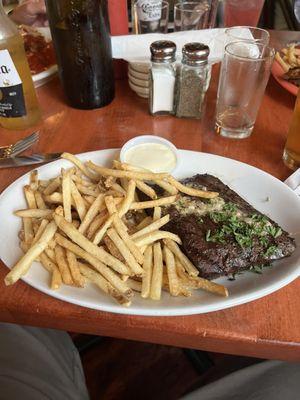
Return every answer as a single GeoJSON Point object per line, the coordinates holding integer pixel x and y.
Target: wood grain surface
{"type": "Point", "coordinates": [267, 328]}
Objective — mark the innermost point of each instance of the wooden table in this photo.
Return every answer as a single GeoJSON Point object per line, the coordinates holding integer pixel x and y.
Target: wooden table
{"type": "Point", "coordinates": [267, 328]}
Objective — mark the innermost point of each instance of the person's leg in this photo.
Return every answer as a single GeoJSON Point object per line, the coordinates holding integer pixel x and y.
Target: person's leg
{"type": "Point", "coordinates": [38, 364]}
{"type": "Point", "coordinates": [269, 380]}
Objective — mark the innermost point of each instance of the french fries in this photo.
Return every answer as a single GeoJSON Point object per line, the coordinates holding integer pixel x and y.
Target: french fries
{"type": "Point", "coordinates": [88, 225]}
{"type": "Point", "coordinates": [288, 57]}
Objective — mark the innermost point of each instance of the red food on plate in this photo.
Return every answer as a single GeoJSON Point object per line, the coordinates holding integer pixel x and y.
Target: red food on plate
{"type": "Point", "coordinates": [40, 53]}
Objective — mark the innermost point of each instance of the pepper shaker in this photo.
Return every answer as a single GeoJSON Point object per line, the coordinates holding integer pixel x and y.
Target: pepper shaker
{"type": "Point", "coordinates": [162, 77]}
{"type": "Point", "coordinates": [192, 81]}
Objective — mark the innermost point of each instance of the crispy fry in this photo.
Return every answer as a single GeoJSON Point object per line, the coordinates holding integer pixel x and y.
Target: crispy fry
{"type": "Point", "coordinates": [29, 195]}
{"type": "Point", "coordinates": [52, 186]}
{"type": "Point", "coordinates": [145, 222]}
{"type": "Point", "coordinates": [135, 251]}
{"type": "Point", "coordinates": [85, 190]}
{"type": "Point", "coordinates": [118, 188]}
{"type": "Point", "coordinates": [154, 226]}
{"type": "Point", "coordinates": [156, 213]}
{"type": "Point", "coordinates": [173, 280]}
{"type": "Point", "coordinates": [74, 269]}
{"type": "Point", "coordinates": [103, 284]}
{"type": "Point", "coordinates": [134, 285]}
{"type": "Point", "coordinates": [91, 213]}
{"type": "Point", "coordinates": [147, 267]}
{"type": "Point", "coordinates": [28, 229]}
{"type": "Point", "coordinates": [283, 64]}
{"type": "Point", "coordinates": [25, 262]}
{"type": "Point", "coordinates": [148, 190]}
{"type": "Point", "coordinates": [61, 261]}
{"type": "Point", "coordinates": [40, 231]}
{"type": "Point", "coordinates": [110, 275]}
{"type": "Point", "coordinates": [110, 204]}
{"type": "Point", "coordinates": [109, 181]}
{"type": "Point", "coordinates": [113, 249]}
{"type": "Point", "coordinates": [73, 159]}
{"type": "Point", "coordinates": [166, 186]}
{"type": "Point", "coordinates": [157, 275]}
{"type": "Point", "coordinates": [189, 267]}
{"type": "Point", "coordinates": [94, 250]}
{"type": "Point", "coordinates": [191, 191]}
{"type": "Point", "coordinates": [33, 213]}
{"type": "Point", "coordinates": [95, 225]}
{"type": "Point", "coordinates": [153, 203]}
{"type": "Point", "coordinates": [155, 236]}
{"type": "Point", "coordinates": [50, 254]}
{"type": "Point", "coordinates": [34, 181]}
{"type": "Point", "coordinates": [130, 260]}
{"type": "Point", "coordinates": [78, 200]}
{"type": "Point", "coordinates": [125, 206]}
{"type": "Point", "coordinates": [102, 231]}
{"type": "Point", "coordinates": [39, 200]}
{"type": "Point", "coordinates": [66, 193]}
{"type": "Point", "coordinates": [125, 174]}
{"type": "Point", "coordinates": [51, 267]}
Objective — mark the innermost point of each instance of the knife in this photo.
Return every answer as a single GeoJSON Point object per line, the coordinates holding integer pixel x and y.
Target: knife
{"type": "Point", "coordinates": [28, 160]}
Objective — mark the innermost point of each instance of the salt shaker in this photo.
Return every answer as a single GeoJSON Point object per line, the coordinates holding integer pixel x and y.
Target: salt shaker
{"type": "Point", "coordinates": [192, 81]}
{"type": "Point", "coordinates": [162, 77]}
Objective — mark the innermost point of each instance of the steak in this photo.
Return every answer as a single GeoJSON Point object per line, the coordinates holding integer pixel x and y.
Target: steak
{"type": "Point", "coordinates": [225, 235]}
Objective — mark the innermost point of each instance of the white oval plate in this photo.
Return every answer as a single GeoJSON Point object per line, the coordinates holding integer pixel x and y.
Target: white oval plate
{"type": "Point", "coordinates": [251, 183]}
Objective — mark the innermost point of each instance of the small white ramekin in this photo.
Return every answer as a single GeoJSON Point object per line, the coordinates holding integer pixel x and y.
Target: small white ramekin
{"type": "Point", "coordinates": [149, 139]}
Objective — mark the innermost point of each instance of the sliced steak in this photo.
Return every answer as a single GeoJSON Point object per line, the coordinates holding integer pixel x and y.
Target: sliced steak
{"type": "Point", "coordinates": [226, 235]}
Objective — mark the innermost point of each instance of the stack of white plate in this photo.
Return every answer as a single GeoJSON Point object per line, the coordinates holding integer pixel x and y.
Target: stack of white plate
{"type": "Point", "coordinates": [138, 78]}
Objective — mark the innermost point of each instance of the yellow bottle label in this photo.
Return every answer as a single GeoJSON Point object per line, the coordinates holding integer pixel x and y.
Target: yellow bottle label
{"type": "Point", "coordinates": [12, 102]}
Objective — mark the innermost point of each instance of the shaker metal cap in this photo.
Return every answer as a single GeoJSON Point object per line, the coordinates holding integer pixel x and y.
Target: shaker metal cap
{"type": "Point", "coordinates": [195, 53]}
{"type": "Point", "coordinates": [163, 51]}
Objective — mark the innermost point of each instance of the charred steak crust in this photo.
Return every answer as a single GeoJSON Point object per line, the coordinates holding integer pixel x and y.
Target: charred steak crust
{"type": "Point", "coordinates": [217, 255]}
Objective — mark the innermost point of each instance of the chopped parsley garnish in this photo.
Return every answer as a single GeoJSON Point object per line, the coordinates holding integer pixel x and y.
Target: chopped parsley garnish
{"type": "Point", "coordinates": [244, 229]}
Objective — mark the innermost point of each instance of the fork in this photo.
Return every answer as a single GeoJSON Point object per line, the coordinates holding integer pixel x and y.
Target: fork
{"type": "Point", "coordinates": [18, 147]}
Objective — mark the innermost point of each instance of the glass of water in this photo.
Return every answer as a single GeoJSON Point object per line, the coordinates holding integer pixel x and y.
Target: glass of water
{"type": "Point", "coordinates": [245, 71]}
{"type": "Point", "coordinates": [191, 15]}
{"type": "Point", "coordinates": [237, 33]}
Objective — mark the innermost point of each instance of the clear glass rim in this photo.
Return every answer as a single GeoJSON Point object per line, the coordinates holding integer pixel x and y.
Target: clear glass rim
{"type": "Point", "coordinates": [179, 7]}
{"type": "Point", "coordinates": [248, 58]}
{"type": "Point", "coordinates": [164, 4]}
{"type": "Point", "coordinates": [254, 28]}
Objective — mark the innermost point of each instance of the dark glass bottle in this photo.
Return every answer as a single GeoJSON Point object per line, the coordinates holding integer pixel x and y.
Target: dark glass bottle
{"type": "Point", "coordinates": [80, 32]}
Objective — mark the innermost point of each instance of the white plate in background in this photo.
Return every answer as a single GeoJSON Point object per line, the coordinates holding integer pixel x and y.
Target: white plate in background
{"type": "Point", "coordinates": [251, 183]}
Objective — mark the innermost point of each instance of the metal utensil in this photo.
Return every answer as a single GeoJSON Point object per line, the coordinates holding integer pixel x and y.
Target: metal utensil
{"type": "Point", "coordinates": [28, 160]}
{"type": "Point", "coordinates": [18, 147]}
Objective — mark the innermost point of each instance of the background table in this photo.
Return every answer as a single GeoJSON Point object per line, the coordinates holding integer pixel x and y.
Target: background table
{"type": "Point", "coordinates": [269, 327]}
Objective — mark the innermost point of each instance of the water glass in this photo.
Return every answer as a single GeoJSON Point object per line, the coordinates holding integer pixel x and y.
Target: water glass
{"type": "Point", "coordinates": [191, 15]}
{"type": "Point", "coordinates": [238, 33]}
{"type": "Point", "coordinates": [245, 71]}
{"type": "Point", "coordinates": [291, 154]}
{"type": "Point", "coordinates": [151, 17]}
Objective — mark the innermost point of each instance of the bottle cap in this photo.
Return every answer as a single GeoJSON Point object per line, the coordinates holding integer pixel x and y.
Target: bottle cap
{"type": "Point", "coordinates": [195, 53]}
{"type": "Point", "coordinates": [163, 51]}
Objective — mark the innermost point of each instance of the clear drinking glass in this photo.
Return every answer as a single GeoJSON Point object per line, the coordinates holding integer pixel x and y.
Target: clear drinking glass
{"type": "Point", "coordinates": [238, 33]}
{"type": "Point", "coordinates": [244, 75]}
{"type": "Point", "coordinates": [291, 154]}
{"type": "Point", "coordinates": [191, 15]}
{"type": "Point", "coordinates": [151, 17]}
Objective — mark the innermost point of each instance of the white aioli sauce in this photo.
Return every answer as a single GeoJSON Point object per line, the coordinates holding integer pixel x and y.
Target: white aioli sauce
{"type": "Point", "coordinates": [155, 157]}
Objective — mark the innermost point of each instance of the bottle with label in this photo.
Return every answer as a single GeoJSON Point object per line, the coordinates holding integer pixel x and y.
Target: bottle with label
{"type": "Point", "coordinates": [81, 38]}
{"type": "Point", "coordinates": [18, 103]}
{"type": "Point", "coordinates": [146, 15]}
